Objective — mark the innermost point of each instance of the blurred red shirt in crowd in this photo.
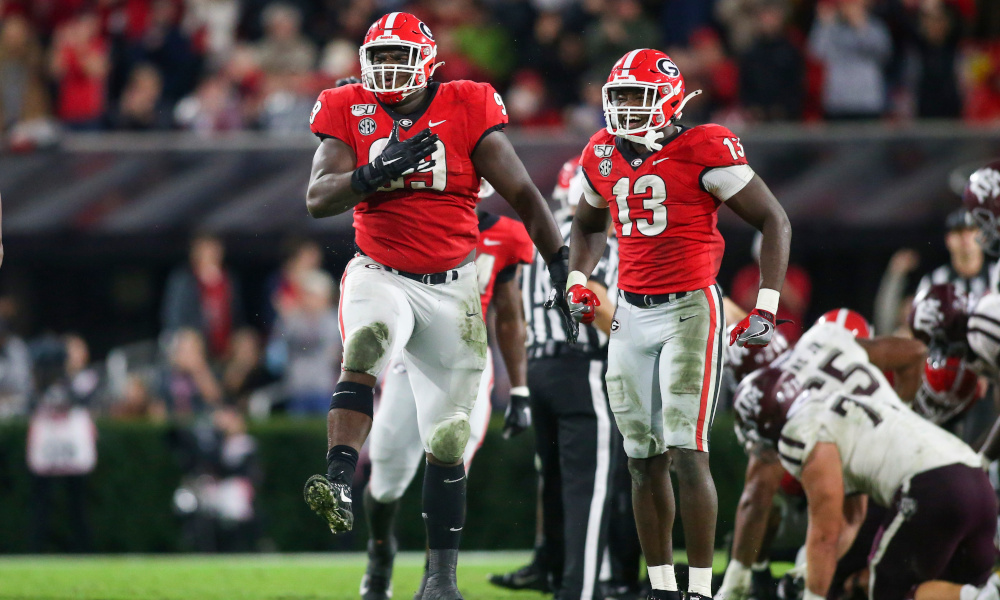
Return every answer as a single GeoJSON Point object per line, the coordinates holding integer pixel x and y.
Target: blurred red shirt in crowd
{"type": "Point", "coordinates": [80, 66]}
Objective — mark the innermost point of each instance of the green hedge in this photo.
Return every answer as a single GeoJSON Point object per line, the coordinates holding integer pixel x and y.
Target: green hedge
{"type": "Point", "coordinates": [131, 491]}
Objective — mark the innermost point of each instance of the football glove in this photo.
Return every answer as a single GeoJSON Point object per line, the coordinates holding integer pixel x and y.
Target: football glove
{"type": "Point", "coordinates": [397, 159]}
{"type": "Point", "coordinates": [755, 329]}
{"type": "Point", "coordinates": [517, 417]}
{"type": "Point", "coordinates": [582, 303]}
{"type": "Point", "coordinates": [558, 265]}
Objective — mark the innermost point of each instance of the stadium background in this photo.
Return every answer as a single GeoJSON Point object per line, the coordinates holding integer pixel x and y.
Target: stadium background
{"type": "Point", "coordinates": [131, 125]}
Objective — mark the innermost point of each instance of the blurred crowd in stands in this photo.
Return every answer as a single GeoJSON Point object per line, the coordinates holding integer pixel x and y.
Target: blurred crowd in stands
{"type": "Point", "coordinates": [206, 358]}
{"type": "Point", "coordinates": [222, 65]}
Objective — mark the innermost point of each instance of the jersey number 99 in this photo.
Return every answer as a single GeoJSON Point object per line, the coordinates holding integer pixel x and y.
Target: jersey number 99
{"type": "Point", "coordinates": [439, 172]}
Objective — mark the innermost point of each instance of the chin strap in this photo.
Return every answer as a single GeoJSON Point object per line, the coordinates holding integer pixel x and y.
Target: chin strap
{"type": "Point", "coordinates": [437, 66]}
{"type": "Point", "coordinates": [677, 113]}
{"type": "Point", "coordinates": [649, 140]}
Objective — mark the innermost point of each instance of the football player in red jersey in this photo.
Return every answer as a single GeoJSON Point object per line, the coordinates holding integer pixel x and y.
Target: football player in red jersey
{"type": "Point", "coordinates": [412, 285]}
{"type": "Point", "coordinates": [663, 184]}
{"type": "Point", "coordinates": [394, 446]}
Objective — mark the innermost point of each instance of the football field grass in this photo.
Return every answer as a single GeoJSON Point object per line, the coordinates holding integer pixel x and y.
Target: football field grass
{"type": "Point", "coordinates": [235, 577]}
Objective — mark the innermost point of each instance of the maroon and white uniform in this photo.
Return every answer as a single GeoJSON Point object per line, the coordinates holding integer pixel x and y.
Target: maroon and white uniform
{"type": "Point", "coordinates": [411, 291]}
{"type": "Point", "coordinates": [394, 444]}
{"type": "Point", "coordinates": [665, 354]}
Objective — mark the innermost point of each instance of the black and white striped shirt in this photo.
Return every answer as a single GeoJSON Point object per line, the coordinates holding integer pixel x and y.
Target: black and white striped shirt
{"type": "Point", "coordinates": [974, 287]}
{"type": "Point", "coordinates": [546, 338]}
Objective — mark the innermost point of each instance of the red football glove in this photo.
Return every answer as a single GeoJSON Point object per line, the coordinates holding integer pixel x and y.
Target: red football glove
{"type": "Point", "coordinates": [582, 304]}
{"type": "Point", "coordinates": [755, 329]}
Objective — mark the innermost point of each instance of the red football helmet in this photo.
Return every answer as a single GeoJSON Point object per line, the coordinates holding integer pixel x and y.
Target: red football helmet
{"type": "Point", "coordinates": [743, 360]}
{"type": "Point", "coordinates": [949, 388]}
{"type": "Point", "coordinates": [849, 320]}
{"type": "Point", "coordinates": [399, 30]}
{"type": "Point", "coordinates": [940, 315]}
{"type": "Point", "coordinates": [561, 193]}
{"type": "Point", "coordinates": [762, 401]}
{"type": "Point", "coordinates": [663, 94]}
{"type": "Point", "coordinates": [982, 199]}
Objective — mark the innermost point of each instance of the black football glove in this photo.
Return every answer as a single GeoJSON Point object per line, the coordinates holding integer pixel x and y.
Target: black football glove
{"type": "Point", "coordinates": [517, 417]}
{"type": "Point", "coordinates": [558, 272]}
{"type": "Point", "coordinates": [397, 159]}
{"type": "Point", "coordinates": [346, 81]}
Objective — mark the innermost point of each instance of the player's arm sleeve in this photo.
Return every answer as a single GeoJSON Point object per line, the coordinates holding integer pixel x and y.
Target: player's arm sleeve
{"type": "Point", "coordinates": [726, 170]}
{"type": "Point", "coordinates": [490, 115]}
{"type": "Point", "coordinates": [589, 193]}
{"type": "Point", "coordinates": [327, 119]}
{"type": "Point", "coordinates": [507, 273]}
{"type": "Point", "coordinates": [726, 182]}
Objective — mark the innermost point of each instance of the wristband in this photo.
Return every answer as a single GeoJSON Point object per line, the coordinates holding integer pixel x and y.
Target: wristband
{"type": "Point", "coordinates": [365, 180]}
{"type": "Point", "coordinates": [521, 390]}
{"type": "Point", "coordinates": [767, 299]}
{"type": "Point", "coordinates": [576, 278]}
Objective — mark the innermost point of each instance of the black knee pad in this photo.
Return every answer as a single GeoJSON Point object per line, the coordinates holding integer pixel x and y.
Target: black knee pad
{"type": "Point", "coordinates": [354, 396]}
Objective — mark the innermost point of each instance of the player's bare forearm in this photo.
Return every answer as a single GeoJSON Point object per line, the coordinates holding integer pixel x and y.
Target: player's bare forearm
{"type": "Point", "coordinates": [588, 237]}
{"type": "Point", "coordinates": [822, 478]}
{"type": "Point", "coordinates": [762, 481]}
{"type": "Point", "coordinates": [511, 331]}
{"type": "Point", "coordinates": [329, 192]}
{"type": "Point", "coordinates": [496, 160]}
{"type": "Point", "coordinates": [756, 205]}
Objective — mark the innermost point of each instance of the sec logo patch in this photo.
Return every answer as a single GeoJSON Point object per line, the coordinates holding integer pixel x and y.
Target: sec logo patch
{"type": "Point", "coordinates": [367, 126]}
{"type": "Point", "coordinates": [605, 167]}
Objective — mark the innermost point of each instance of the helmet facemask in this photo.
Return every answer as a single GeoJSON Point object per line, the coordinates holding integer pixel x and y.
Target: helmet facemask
{"type": "Point", "coordinates": [381, 78]}
{"type": "Point", "coordinates": [989, 230]}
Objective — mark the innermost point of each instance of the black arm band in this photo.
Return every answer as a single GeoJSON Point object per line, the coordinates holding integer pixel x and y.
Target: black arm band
{"type": "Point", "coordinates": [350, 395]}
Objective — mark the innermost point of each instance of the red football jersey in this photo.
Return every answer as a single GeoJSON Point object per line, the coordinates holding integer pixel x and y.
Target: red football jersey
{"type": "Point", "coordinates": [664, 219]}
{"type": "Point", "coordinates": [425, 222]}
{"type": "Point", "coordinates": [503, 244]}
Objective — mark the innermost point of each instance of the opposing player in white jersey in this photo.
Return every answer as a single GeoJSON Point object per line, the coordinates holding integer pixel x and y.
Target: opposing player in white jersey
{"type": "Point", "coordinates": [836, 354]}
{"type": "Point", "coordinates": [936, 540]}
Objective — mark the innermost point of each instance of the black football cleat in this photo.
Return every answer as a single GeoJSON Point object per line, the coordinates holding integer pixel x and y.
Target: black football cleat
{"type": "Point", "coordinates": [442, 583]}
{"type": "Point", "coordinates": [664, 595]}
{"type": "Point", "coordinates": [529, 577]}
{"type": "Point", "coordinates": [330, 500]}
{"type": "Point", "coordinates": [375, 587]}
{"type": "Point", "coordinates": [376, 584]}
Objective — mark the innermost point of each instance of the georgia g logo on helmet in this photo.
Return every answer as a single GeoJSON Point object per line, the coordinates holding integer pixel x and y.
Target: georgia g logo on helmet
{"type": "Point", "coordinates": [668, 68]}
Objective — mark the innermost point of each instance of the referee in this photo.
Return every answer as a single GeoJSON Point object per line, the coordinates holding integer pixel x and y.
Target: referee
{"type": "Point", "coordinates": [967, 268]}
{"type": "Point", "coordinates": [574, 429]}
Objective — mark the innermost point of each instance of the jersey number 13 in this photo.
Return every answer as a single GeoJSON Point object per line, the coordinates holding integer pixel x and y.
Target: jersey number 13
{"type": "Point", "coordinates": [652, 192]}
